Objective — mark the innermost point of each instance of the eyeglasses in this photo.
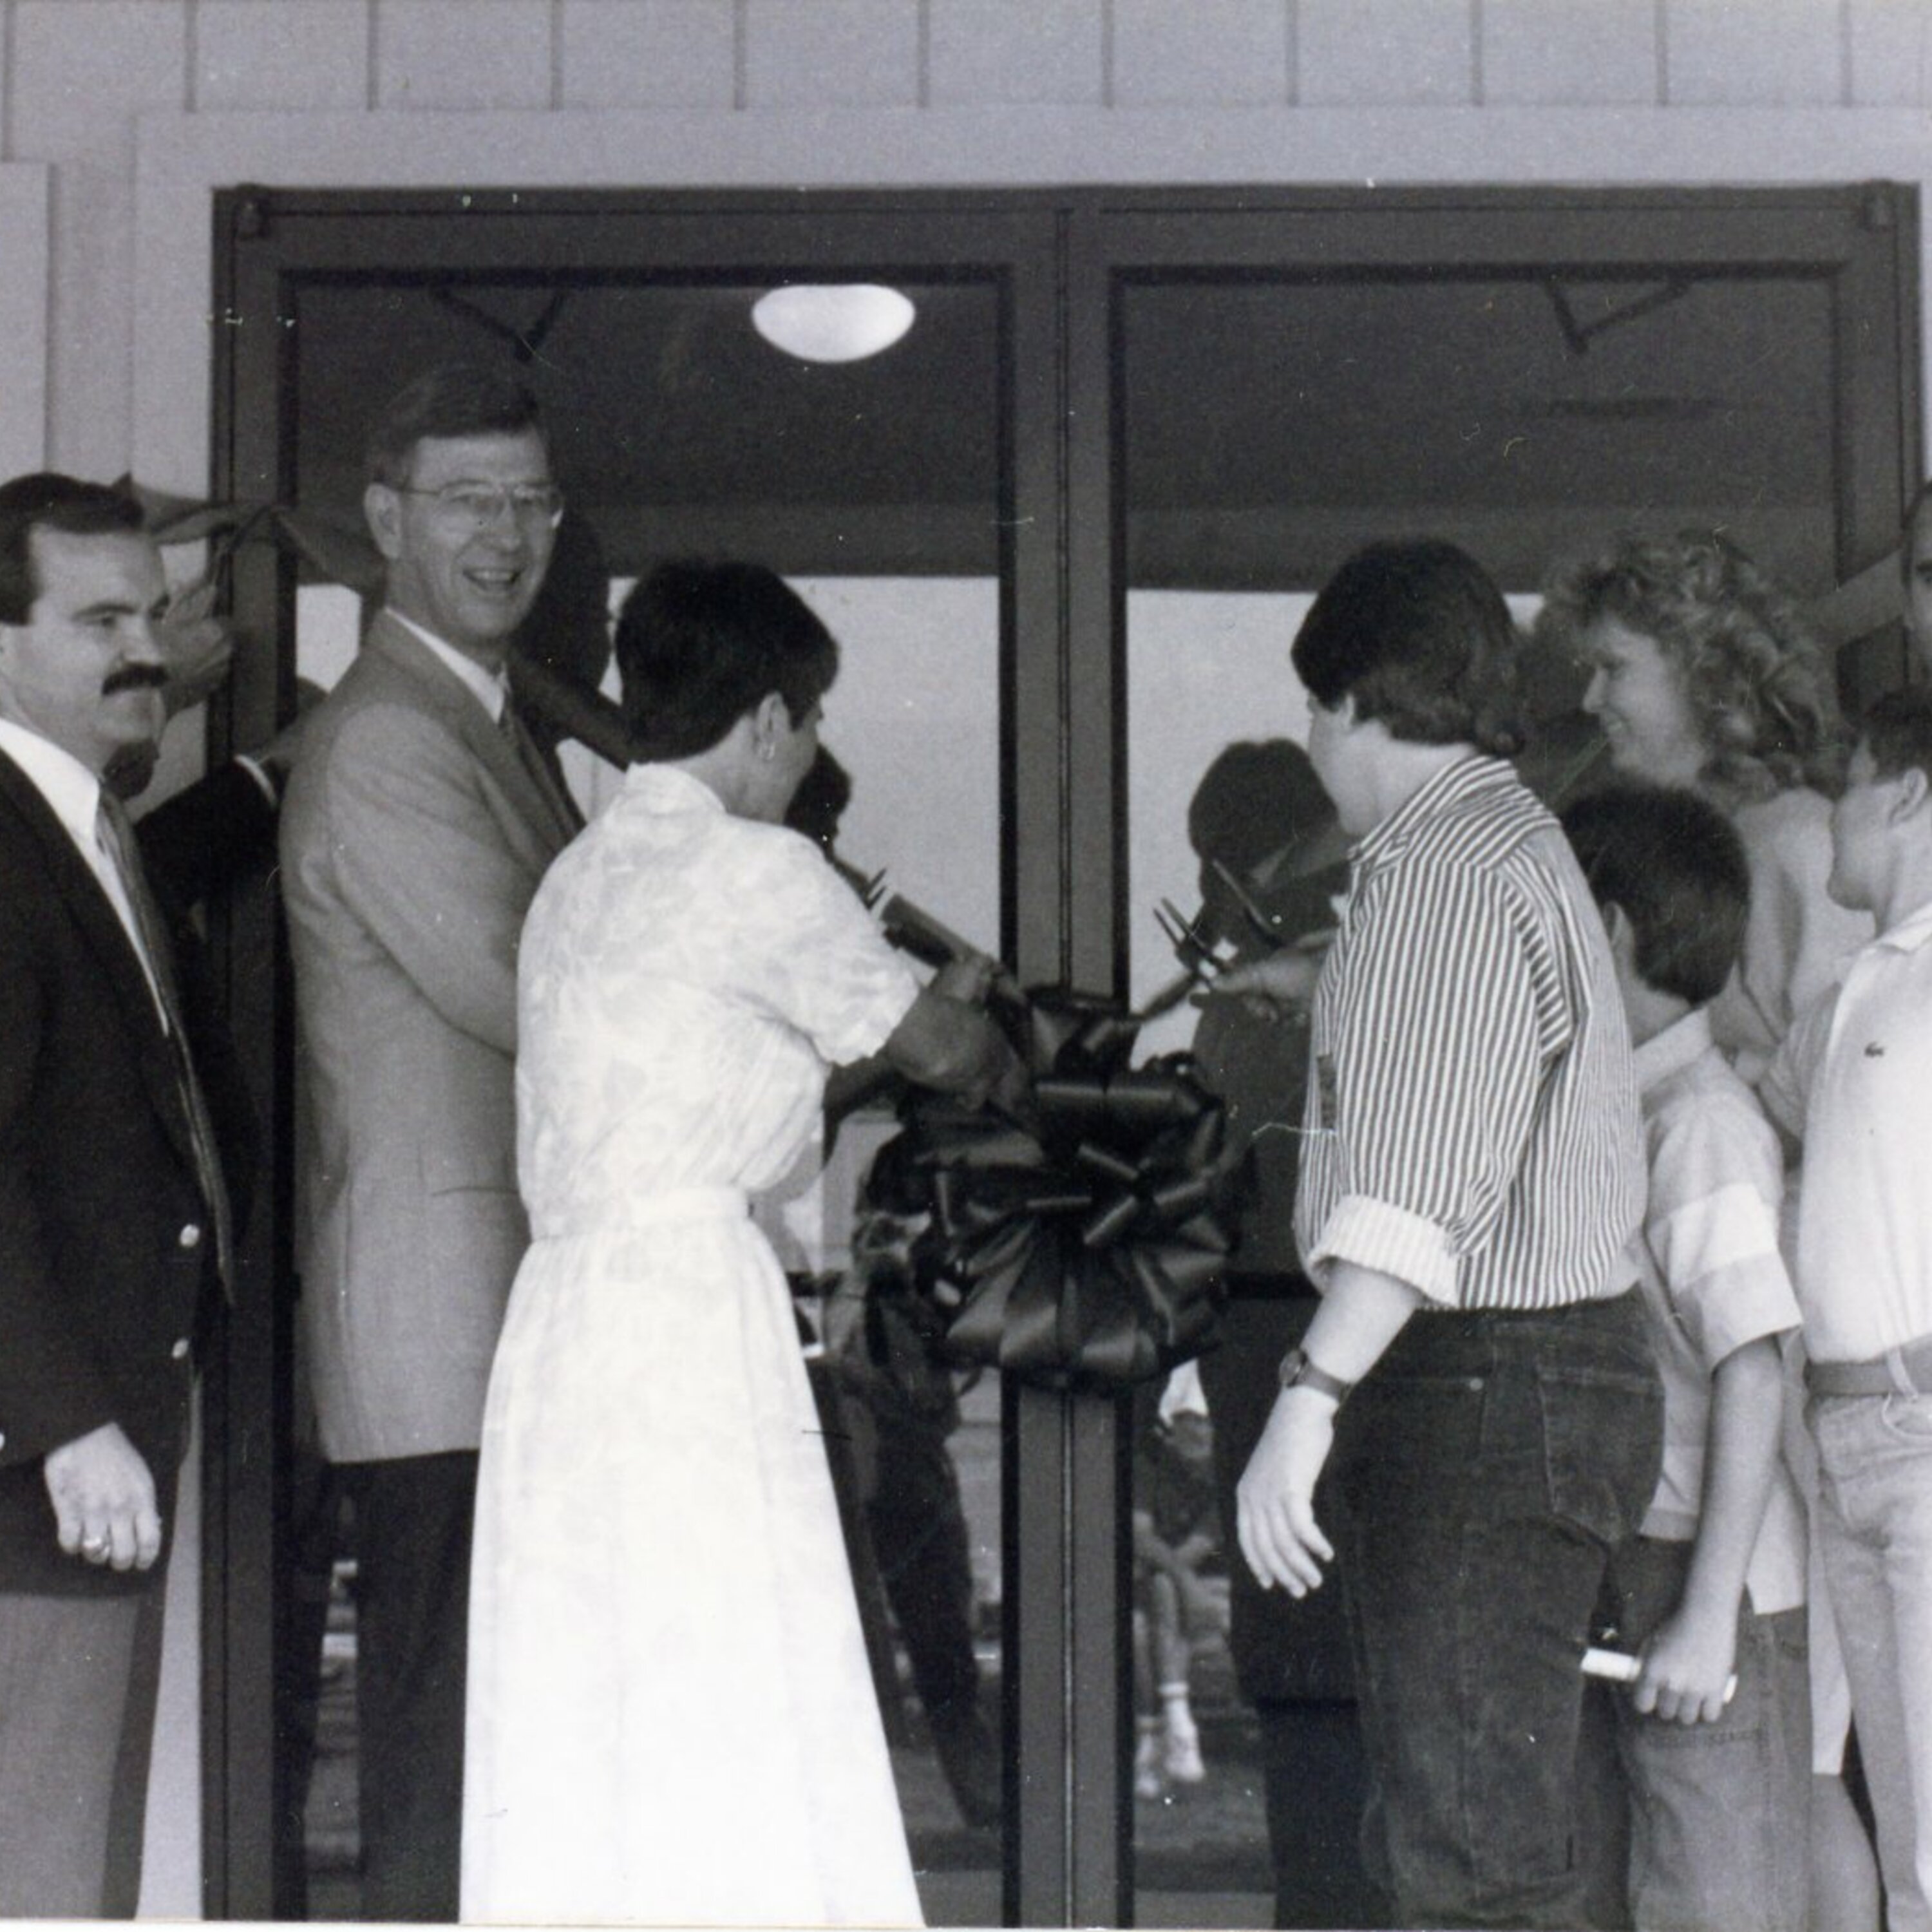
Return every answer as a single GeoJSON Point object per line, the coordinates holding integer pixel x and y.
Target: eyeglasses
{"type": "Point", "coordinates": [478, 506]}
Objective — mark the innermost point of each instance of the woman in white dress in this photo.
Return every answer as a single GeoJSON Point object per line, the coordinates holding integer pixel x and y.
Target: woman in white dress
{"type": "Point", "coordinates": [671, 1716]}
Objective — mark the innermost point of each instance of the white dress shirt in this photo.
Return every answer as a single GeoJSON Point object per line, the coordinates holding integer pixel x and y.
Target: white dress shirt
{"type": "Point", "coordinates": [72, 793]}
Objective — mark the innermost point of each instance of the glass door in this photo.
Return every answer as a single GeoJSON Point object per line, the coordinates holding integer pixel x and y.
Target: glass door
{"type": "Point", "coordinates": [1282, 386]}
{"type": "Point", "coordinates": [1064, 531]}
{"type": "Point", "coordinates": [893, 491]}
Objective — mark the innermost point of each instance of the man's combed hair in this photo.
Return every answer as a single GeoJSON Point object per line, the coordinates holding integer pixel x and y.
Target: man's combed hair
{"type": "Point", "coordinates": [452, 399]}
{"type": "Point", "coordinates": [1419, 636]}
{"type": "Point", "coordinates": [700, 643]}
{"type": "Point", "coordinates": [1675, 864]}
{"type": "Point", "coordinates": [1897, 731]}
{"type": "Point", "coordinates": [1760, 686]}
{"type": "Point", "coordinates": [48, 501]}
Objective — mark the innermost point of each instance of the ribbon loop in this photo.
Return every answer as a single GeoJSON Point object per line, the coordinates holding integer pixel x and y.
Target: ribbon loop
{"type": "Point", "coordinates": [1088, 1244]}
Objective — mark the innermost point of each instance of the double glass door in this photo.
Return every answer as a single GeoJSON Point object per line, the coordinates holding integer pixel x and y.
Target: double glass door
{"type": "Point", "coordinates": [1064, 529]}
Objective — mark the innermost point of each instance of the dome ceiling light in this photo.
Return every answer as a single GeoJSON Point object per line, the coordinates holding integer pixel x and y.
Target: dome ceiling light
{"type": "Point", "coordinates": [833, 322]}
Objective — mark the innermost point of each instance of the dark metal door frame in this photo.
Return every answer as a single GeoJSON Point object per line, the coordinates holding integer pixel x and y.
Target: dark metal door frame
{"type": "Point", "coordinates": [1059, 259]}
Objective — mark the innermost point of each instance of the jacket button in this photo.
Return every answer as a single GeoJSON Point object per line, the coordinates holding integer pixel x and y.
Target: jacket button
{"type": "Point", "coordinates": [179, 1351]}
{"type": "Point", "coordinates": [191, 1235]}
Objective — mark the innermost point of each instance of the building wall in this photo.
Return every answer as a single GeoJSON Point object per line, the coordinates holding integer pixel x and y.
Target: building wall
{"type": "Point", "coordinates": [77, 77]}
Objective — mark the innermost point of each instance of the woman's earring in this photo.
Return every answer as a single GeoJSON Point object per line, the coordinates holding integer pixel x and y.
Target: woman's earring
{"type": "Point", "coordinates": [767, 751]}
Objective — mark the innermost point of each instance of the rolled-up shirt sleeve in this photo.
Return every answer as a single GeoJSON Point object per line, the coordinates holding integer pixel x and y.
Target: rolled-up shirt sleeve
{"type": "Point", "coordinates": [1428, 1078]}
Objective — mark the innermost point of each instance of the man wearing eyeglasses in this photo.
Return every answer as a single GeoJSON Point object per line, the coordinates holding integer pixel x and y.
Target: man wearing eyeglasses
{"type": "Point", "coordinates": [418, 822]}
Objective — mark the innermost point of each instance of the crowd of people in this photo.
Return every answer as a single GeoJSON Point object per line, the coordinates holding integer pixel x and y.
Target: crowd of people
{"type": "Point", "coordinates": [1582, 1132]}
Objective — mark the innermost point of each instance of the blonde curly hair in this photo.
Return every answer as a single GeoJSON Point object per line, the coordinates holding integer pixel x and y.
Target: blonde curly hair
{"type": "Point", "coordinates": [1760, 687]}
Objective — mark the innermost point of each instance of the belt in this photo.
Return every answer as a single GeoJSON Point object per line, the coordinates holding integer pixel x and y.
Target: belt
{"type": "Point", "coordinates": [651, 1210]}
{"type": "Point", "coordinates": [1901, 1371]}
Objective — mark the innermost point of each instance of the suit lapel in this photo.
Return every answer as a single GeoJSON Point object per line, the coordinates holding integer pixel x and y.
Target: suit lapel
{"type": "Point", "coordinates": [93, 913]}
{"type": "Point", "coordinates": [542, 820]}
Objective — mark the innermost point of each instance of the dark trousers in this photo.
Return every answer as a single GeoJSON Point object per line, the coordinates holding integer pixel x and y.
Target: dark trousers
{"type": "Point", "coordinates": [1486, 1470]}
{"type": "Point", "coordinates": [78, 1680]}
{"type": "Point", "coordinates": [413, 1517]}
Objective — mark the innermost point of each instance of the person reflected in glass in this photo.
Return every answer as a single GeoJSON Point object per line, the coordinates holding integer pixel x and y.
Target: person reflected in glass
{"type": "Point", "coordinates": [1260, 821]}
{"type": "Point", "coordinates": [672, 1720]}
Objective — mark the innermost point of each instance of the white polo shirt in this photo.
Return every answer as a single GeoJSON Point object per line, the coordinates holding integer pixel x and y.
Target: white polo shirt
{"type": "Point", "coordinates": [1852, 1081]}
{"type": "Point", "coordinates": [1712, 1279]}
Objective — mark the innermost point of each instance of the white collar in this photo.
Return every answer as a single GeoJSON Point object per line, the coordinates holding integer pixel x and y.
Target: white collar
{"type": "Point", "coordinates": [491, 688]}
{"type": "Point", "coordinates": [1669, 1052]}
{"type": "Point", "coordinates": [71, 790]}
{"type": "Point", "coordinates": [1911, 932]}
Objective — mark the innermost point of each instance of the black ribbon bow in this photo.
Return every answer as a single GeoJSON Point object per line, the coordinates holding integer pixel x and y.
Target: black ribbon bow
{"type": "Point", "coordinates": [1086, 1240]}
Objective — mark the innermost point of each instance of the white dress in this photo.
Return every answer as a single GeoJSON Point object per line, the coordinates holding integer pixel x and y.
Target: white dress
{"type": "Point", "coordinates": [671, 1720]}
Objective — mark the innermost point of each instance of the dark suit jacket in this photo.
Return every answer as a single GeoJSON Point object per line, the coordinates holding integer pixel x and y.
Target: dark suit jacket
{"type": "Point", "coordinates": [102, 1285]}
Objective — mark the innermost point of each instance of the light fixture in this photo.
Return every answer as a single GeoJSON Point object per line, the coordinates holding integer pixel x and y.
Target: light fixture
{"type": "Point", "coordinates": [832, 322]}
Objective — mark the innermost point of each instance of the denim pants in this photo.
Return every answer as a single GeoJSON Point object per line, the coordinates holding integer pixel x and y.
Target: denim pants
{"type": "Point", "coordinates": [1718, 1813]}
{"type": "Point", "coordinates": [1485, 1470]}
{"type": "Point", "coordinates": [1875, 1531]}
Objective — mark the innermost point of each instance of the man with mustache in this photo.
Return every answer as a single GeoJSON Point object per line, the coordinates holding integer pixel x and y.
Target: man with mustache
{"type": "Point", "coordinates": [418, 822]}
{"type": "Point", "coordinates": [116, 1230]}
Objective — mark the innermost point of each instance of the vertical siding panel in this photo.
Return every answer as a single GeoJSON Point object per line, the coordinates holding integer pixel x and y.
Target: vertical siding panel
{"type": "Point", "coordinates": [1010, 53]}
{"type": "Point", "coordinates": [80, 76]}
{"type": "Point", "coordinates": [463, 53]}
{"type": "Point", "coordinates": [1772, 53]}
{"type": "Point", "coordinates": [1552, 53]}
{"type": "Point", "coordinates": [1891, 53]}
{"type": "Point", "coordinates": [1380, 53]}
{"type": "Point", "coordinates": [26, 243]}
{"type": "Point", "coordinates": [834, 53]}
{"type": "Point", "coordinates": [1231, 51]}
{"type": "Point", "coordinates": [265, 53]}
{"type": "Point", "coordinates": [649, 53]}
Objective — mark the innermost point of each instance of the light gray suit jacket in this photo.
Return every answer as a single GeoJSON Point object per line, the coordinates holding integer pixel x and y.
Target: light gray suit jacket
{"type": "Point", "coordinates": [412, 839]}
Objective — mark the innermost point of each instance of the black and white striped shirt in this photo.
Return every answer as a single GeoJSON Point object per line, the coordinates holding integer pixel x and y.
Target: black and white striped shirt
{"type": "Point", "coordinates": [1472, 1126]}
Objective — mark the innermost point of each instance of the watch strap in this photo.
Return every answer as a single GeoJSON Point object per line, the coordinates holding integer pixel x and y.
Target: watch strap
{"type": "Point", "coordinates": [1298, 1372]}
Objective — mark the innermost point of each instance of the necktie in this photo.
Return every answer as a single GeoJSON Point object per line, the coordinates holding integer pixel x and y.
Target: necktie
{"type": "Point", "coordinates": [537, 769]}
{"type": "Point", "coordinates": [117, 841]}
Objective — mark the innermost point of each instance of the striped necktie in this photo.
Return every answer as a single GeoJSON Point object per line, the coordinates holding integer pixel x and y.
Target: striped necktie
{"type": "Point", "coordinates": [116, 835]}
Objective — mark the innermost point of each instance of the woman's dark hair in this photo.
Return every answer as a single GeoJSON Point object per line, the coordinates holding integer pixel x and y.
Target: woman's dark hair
{"type": "Point", "coordinates": [700, 644]}
{"type": "Point", "coordinates": [1758, 685]}
{"type": "Point", "coordinates": [452, 399]}
{"type": "Point", "coordinates": [48, 501]}
{"type": "Point", "coordinates": [1676, 866]}
{"type": "Point", "coordinates": [1419, 636]}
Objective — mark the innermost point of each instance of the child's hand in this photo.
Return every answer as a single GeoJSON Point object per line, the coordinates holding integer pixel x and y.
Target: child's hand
{"type": "Point", "coordinates": [1686, 1669]}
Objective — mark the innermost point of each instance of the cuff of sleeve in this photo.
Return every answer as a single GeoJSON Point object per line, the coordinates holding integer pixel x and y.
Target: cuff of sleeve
{"type": "Point", "coordinates": [259, 773]}
{"type": "Point", "coordinates": [1373, 1235]}
{"type": "Point", "coordinates": [871, 1029]}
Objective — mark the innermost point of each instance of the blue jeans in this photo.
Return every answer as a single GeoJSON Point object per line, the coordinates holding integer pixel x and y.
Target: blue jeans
{"type": "Point", "coordinates": [1875, 1529]}
{"type": "Point", "coordinates": [1719, 1814]}
{"type": "Point", "coordinates": [1484, 1472]}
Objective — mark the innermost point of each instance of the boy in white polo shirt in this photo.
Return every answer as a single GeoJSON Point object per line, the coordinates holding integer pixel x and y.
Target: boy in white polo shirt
{"type": "Point", "coordinates": [1713, 1584]}
{"type": "Point", "coordinates": [1851, 1081]}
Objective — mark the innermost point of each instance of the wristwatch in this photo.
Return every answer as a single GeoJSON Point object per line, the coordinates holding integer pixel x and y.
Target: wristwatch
{"type": "Point", "coordinates": [1298, 1372]}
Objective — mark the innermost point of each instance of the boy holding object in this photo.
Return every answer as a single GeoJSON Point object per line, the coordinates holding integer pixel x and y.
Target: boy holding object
{"type": "Point", "coordinates": [1714, 1583]}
